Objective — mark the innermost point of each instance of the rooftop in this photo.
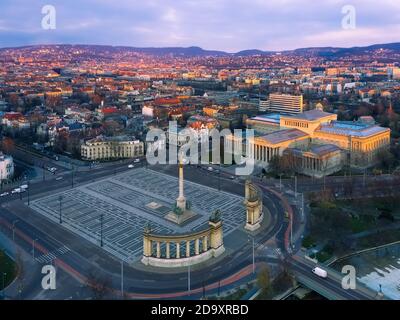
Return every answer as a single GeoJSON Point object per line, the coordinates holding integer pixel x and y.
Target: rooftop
{"type": "Point", "coordinates": [318, 150]}
{"type": "Point", "coordinates": [310, 115]}
{"type": "Point", "coordinates": [355, 129]}
{"type": "Point", "coordinates": [284, 135]}
{"type": "Point", "coordinates": [270, 117]}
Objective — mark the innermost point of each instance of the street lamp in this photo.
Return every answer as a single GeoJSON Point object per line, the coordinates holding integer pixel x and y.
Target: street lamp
{"type": "Point", "coordinates": [219, 178]}
{"type": "Point", "coordinates": [72, 176]}
{"type": "Point", "coordinates": [122, 279]}
{"type": "Point", "coordinates": [101, 230]}
{"type": "Point", "coordinates": [28, 193]}
{"type": "Point", "coordinates": [189, 279]}
{"type": "Point", "coordinates": [13, 228]}
{"type": "Point", "coordinates": [254, 265]}
{"type": "Point", "coordinates": [4, 276]}
{"type": "Point", "coordinates": [60, 198]}
{"type": "Point", "coordinates": [33, 248]}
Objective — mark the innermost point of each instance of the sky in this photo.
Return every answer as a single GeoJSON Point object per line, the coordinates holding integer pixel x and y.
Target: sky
{"type": "Point", "coordinates": [229, 25]}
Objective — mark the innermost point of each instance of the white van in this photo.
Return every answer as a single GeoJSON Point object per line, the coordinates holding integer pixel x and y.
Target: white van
{"type": "Point", "coordinates": [320, 272]}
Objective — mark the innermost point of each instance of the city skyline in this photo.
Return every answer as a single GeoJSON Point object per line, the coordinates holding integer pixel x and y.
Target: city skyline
{"type": "Point", "coordinates": [270, 26]}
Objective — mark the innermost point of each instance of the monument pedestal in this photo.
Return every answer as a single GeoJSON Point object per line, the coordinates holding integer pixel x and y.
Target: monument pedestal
{"type": "Point", "coordinates": [180, 218]}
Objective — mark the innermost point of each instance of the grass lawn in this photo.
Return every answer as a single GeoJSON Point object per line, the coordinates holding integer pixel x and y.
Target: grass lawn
{"type": "Point", "coordinates": [6, 266]}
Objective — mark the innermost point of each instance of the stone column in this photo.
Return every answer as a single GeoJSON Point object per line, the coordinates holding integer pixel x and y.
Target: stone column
{"type": "Point", "coordinates": [158, 249]}
{"type": "Point", "coordinates": [196, 246]}
{"type": "Point", "coordinates": [146, 246]}
{"type": "Point", "coordinates": [187, 248]}
{"type": "Point", "coordinates": [167, 250]}
{"type": "Point", "coordinates": [216, 238]}
{"type": "Point", "coordinates": [205, 244]}
{"type": "Point", "coordinates": [178, 250]}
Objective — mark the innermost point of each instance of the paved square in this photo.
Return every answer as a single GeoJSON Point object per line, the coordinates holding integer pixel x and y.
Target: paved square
{"type": "Point", "coordinates": [128, 202]}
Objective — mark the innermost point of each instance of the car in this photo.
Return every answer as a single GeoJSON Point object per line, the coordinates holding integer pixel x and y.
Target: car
{"type": "Point", "coordinates": [131, 166]}
{"type": "Point", "coordinates": [232, 177]}
{"type": "Point", "coordinates": [136, 160]}
{"type": "Point", "coordinates": [59, 178]}
{"type": "Point", "coordinates": [16, 190]}
{"type": "Point", "coordinates": [320, 272]}
{"type": "Point", "coordinates": [210, 169]}
{"type": "Point", "coordinates": [24, 186]}
{"type": "Point", "coordinates": [4, 194]}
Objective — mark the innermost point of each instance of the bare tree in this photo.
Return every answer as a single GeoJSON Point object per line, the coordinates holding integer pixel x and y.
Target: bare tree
{"type": "Point", "coordinates": [100, 285]}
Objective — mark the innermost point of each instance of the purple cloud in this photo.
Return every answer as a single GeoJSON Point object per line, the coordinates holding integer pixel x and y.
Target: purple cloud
{"type": "Point", "coordinates": [229, 25]}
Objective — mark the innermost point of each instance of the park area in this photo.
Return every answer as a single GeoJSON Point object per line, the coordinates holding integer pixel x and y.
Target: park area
{"type": "Point", "coordinates": [338, 227]}
{"type": "Point", "coordinates": [8, 269]}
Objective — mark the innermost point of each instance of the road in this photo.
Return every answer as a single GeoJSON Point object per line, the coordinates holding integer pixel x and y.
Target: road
{"type": "Point", "coordinates": [81, 258]}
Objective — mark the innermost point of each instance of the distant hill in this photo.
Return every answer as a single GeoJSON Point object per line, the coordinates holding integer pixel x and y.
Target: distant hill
{"type": "Point", "coordinates": [341, 52]}
{"type": "Point", "coordinates": [197, 51]}
{"type": "Point", "coordinates": [253, 52]}
{"type": "Point", "coordinates": [177, 51]}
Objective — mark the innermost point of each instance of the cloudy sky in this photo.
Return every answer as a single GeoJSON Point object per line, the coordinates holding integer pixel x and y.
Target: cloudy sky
{"type": "Point", "coordinates": [229, 25]}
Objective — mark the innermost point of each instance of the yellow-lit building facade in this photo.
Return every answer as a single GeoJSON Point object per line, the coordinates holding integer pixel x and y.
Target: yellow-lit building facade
{"type": "Point", "coordinates": [102, 148]}
{"type": "Point", "coordinates": [360, 142]}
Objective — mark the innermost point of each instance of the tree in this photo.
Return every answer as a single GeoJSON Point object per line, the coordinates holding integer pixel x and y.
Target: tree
{"type": "Point", "coordinates": [7, 145]}
{"type": "Point", "coordinates": [98, 284]}
{"type": "Point", "coordinates": [111, 127]}
{"type": "Point", "coordinates": [387, 160]}
{"type": "Point", "coordinates": [264, 279]}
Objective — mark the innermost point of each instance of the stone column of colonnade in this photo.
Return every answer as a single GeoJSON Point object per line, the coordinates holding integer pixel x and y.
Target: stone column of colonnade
{"type": "Point", "coordinates": [312, 163]}
{"type": "Point", "coordinates": [263, 153]}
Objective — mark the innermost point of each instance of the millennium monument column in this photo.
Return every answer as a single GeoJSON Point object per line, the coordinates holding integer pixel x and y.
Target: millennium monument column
{"type": "Point", "coordinates": [181, 211]}
{"type": "Point", "coordinates": [181, 200]}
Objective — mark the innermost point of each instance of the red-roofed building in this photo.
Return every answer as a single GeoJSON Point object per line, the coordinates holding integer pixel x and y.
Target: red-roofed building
{"type": "Point", "coordinates": [107, 111]}
{"type": "Point", "coordinates": [15, 120]}
{"type": "Point", "coordinates": [166, 101]}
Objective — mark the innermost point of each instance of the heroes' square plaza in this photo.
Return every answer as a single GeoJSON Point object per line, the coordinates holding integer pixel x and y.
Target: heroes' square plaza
{"type": "Point", "coordinates": [128, 202]}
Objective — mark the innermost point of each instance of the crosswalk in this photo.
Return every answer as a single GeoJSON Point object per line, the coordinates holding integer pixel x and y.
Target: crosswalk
{"type": "Point", "coordinates": [50, 256]}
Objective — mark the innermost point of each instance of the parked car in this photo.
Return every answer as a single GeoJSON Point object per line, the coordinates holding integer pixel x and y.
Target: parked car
{"type": "Point", "coordinates": [131, 166]}
{"type": "Point", "coordinates": [4, 194]}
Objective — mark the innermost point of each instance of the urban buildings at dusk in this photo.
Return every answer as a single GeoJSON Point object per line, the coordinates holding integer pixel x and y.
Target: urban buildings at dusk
{"type": "Point", "coordinates": [156, 169]}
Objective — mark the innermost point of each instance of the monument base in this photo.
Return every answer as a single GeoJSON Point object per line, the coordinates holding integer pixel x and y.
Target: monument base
{"type": "Point", "coordinates": [253, 227]}
{"type": "Point", "coordinates": [180, 219]}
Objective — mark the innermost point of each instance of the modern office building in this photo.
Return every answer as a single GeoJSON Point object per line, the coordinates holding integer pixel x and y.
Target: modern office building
{"type": "Point", "coordinates": [285, 103]}
{"type": "Point", "coordinates": [394, 73]}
